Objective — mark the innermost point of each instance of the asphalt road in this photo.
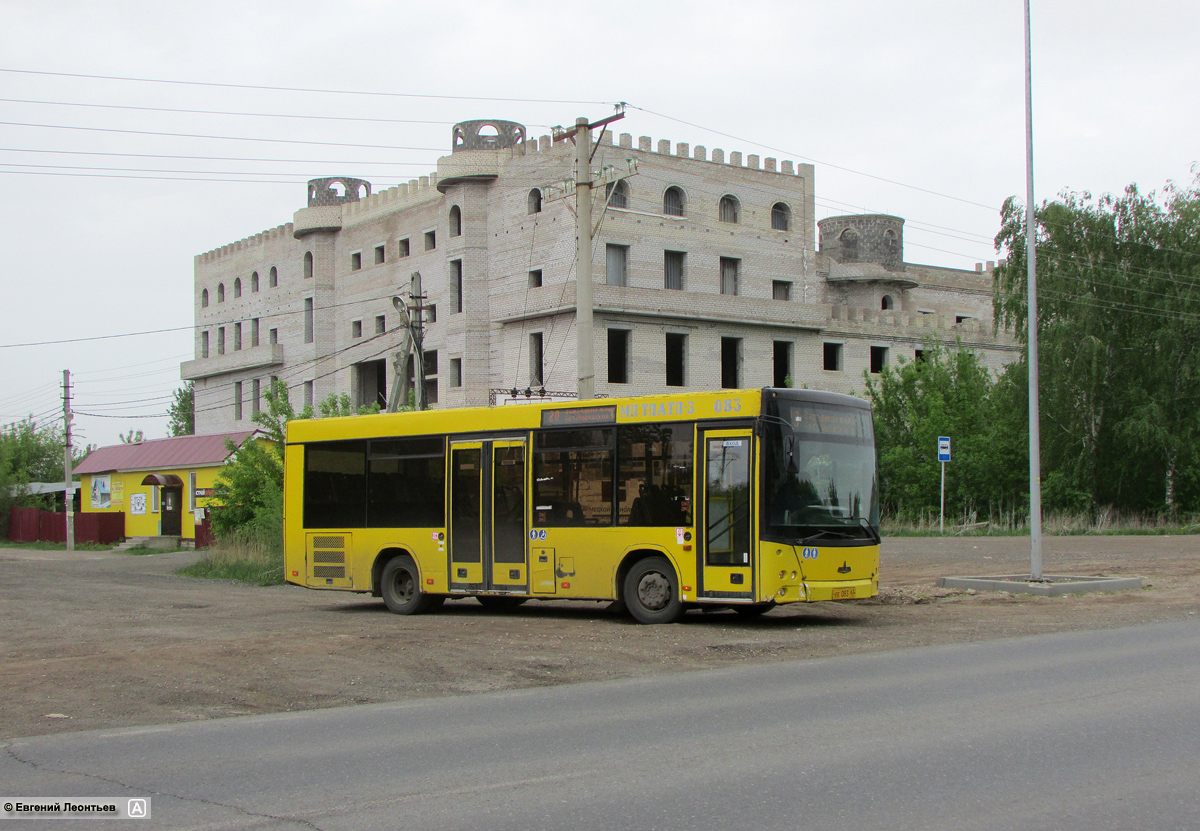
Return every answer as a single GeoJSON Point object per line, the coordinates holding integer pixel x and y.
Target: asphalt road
{"type": "Point", "coordinates": [1080, 730]}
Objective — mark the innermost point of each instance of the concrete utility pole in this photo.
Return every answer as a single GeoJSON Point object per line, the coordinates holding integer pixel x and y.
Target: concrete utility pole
{"type": "Point", "coordinates": [584, 345]}
{"type": "Point", "coordinates": [412, 321]}
{"type": "Point", "coordinates": [584, 331]}
{"type": "Point", "coordinates": [1031, 323]}
{"type": "Point", "coordinates": [68, 485]}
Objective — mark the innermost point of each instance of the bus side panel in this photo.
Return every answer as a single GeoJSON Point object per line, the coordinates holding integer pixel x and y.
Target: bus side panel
{"type": "Point", "coordinates": [294, 560]}
{"type": "Point", "coordinates": [586, 558]}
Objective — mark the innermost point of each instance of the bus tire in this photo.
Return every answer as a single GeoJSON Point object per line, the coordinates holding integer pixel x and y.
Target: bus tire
{"type": "Point", "coordinates": [400, 586]}
{"type": "Point", "coordinates": [652, 591]}
{"type": "Point", "coordinates": [491, 601]}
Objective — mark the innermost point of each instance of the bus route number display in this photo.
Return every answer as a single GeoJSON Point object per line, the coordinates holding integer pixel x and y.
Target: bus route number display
{"type": "Point", "coordinates": [575, 416]}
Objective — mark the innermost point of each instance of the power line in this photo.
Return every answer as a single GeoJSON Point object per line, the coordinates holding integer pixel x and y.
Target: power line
{"type": "Point", "coordinates": [225, 112]}
{"type": "Point", "coordinates": [217, 138]}
{"type": "Point", "coordinates": [304, 89]}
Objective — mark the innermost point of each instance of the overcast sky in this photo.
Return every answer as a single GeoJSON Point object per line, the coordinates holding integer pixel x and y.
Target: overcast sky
{"type": "Point", "coordinates": [913, 108]}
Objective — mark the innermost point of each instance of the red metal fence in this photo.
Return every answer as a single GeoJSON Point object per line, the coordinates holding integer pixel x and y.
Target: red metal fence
{"type": "Point", "coordinates": [36, 525]}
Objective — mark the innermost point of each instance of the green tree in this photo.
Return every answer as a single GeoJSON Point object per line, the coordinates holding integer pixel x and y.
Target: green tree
{"type": "Point", "coordinates": [29, 452]}
{"type": "Point", "coordinates": [182, 411]}
{"type": "Point", "coordinates": [249, 487]}
{"type": "Point", "coordinates": [132, 437]}
{"type": "Point", "coordinates": [1119, 342]}
{"type": "Point", "coordinates": [947, 392]}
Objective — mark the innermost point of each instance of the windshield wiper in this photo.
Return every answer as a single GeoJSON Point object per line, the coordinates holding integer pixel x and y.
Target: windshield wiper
{"type": "Point", "coordinates": [826, 532]}
{"type": "Point", "coordinates": [871, 532]}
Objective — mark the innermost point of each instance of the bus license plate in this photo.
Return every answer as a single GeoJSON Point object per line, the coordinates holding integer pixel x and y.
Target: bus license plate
{"type": "Point", "coordinates": [843, 594]}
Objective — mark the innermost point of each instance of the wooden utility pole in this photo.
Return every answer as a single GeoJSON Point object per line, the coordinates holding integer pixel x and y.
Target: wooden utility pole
{"type": "Point", "coordinates": [68, 485]}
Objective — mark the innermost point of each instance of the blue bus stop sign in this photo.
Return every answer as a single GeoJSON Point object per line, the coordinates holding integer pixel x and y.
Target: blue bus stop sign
{"type": "Point", "coordinates": [943, 448]}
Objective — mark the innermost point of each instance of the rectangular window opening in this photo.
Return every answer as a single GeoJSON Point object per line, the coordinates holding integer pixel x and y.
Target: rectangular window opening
{"type": "Point", "coordinates": [833, 357]}
{"type": "Point", "coordinates": [237, 400]}
{"type": "Point", "coordinates": [204, 344]}
{"type": "Point", "coordinates": [356, 261]}
{"type": "Point", "coordinates": [402, 248]}
{"type": "Point", "coordinates": [535, 278]}
{"type": "Point", "coordinates": [274, 337]}
{"type": "Point", "coordinates": [676, 352]}
{"type": "Point", "coordinates": [308, 320]}
{"type": "Point", "coordinates": [380, 324]}
{"type": "Point", "coordinates": [782, 375]}
{"type": "Point", "coordinates": [673, 270]}
{"type": "Point", "coordinates": [237, 337]}
{"type": "Point", "coordinates": [537, 376]}
{"type": "Point", "coordinates": [729, 275]}
{"type": "Point", "coordinates": [616, 264]}
{"type": "Point", "coordinates": [731, 358]}
{"type": "Point", "coordinates": [878, 358]}
{"type": "Point", "coordinates": [380, 254]}
{"type": "Point", "coordinates": [430, 240]}
{"type": "Point", "coordinates": [221, 340]}
{"type": "Point", "coordinates": [618, 356]}
{"type": "Point", "coordinates": [255, 396]}
{"type": "Point", "coordinates": [781, 290]}
{"type": "Point", "coordinates": [456, 372]}
{"type": "Point", "coordinates": [254, 330]}
{"type": "Point", "coordinates": [456, 286]}
{"type": "Point", "coordinates": [356, 328]}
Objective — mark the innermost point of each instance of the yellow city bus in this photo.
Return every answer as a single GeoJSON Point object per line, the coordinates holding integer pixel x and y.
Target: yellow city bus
{"type": "Point", "coordinates": [739, 499]}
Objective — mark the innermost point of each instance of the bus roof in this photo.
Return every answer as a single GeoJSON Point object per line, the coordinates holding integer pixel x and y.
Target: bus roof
{"type": "Point", "coordinates": [682, 406]}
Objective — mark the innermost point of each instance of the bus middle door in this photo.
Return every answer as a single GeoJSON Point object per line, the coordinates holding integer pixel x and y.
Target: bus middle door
{"type": "Point", "coordinates": [467, 516]}
{"type": "Point", "coordinates": [507, 569]}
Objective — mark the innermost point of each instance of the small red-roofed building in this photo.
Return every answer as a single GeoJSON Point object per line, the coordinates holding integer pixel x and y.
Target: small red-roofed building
{"type": "Point", "coordinates": [162, 486]}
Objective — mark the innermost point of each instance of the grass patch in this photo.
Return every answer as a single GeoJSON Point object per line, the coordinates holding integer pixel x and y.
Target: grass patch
{"type": "Point", "coordinates": [142, 548]}
{"type": "Point", "coordinates": [1059, 524]}
{"type": "Point", "coordinates": [240, 558]}
{"type": "Point", "coordinates": [54, 546]}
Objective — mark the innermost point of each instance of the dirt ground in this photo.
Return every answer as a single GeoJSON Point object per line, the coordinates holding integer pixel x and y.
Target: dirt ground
{"type": "Point", "coordinates": [102, 640]}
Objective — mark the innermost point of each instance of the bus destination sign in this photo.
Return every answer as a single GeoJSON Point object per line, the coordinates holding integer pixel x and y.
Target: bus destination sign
{"type": "Point", "coordinates": [576, 416]}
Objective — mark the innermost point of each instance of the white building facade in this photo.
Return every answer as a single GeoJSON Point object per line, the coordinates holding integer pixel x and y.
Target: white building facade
{"type": "Point", "coordinates": [707, 273]}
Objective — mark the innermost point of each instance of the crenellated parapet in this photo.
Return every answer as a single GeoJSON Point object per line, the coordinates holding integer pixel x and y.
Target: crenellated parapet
{"type": "Point", "coordinates": [683, 150]}
{"type": "Point", "coordinates": [254, 241]}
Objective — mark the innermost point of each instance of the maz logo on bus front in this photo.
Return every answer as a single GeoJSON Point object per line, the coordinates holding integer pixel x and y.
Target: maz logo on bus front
{"type": "Point", "coordinates": [809, 553]}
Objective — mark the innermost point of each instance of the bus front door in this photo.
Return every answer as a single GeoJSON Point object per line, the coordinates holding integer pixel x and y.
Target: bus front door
{"type": "Point", "coordinates": [467, 509]}
{"type": "Point", "coordinates": [725, 520]}
{"type": "Point", "coordinates": [488, 544]}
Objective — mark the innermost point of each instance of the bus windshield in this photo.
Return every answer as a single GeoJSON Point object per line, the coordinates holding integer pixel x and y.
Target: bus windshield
{"type": "Point", "coordinates": [819, 473]}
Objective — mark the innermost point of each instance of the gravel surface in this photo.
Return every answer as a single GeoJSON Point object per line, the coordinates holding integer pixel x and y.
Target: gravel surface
{"type": "Point", "coordinates": [107, 639]}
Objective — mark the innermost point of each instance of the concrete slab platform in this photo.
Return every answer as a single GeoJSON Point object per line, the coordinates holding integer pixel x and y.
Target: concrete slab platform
{"type": "Point", "coordinates": [1051, 585]}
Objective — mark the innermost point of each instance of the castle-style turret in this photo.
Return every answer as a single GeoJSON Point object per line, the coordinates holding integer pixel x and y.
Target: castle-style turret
{"type": "Point", "coordinates": [864, 238]}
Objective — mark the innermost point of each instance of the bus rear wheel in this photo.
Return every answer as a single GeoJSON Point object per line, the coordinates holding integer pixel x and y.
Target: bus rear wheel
{"type": "Point", "coordinates": [400, 586]}
{"type": "Point", "coordinates": [652, 591]}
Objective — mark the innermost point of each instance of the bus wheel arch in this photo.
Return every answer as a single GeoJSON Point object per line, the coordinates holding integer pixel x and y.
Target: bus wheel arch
{"type": "Point", "coordinates": [649, 585]}
{"type": "Point", "coordinates": [400, 586]}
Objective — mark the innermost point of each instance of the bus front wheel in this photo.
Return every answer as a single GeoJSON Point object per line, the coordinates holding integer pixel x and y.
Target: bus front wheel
{"type": "Point", "coordinates": [652, 591]}
{"type": "Point", "coordinates": [400, 586]}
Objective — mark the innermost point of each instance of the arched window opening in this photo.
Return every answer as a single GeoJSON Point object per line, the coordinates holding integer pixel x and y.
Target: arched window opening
{"type": "Point", "coordinates": [308, 265]}
{"type": "Point", "coordinates": [254, 282]}
{"type": "Point", "coordinates": [849, 240]}
{"type": "Point", "coordinates": [728, 209]}
{"type": "Point", "coordinates": [887, 303]}
{"type": "Point", "coordinates": [534, 203]}
{"type": "Point", "coordinates": [781, 216]}
{"type": "Point", "coordinates": [204, 299]}
{"type": "Point", "coordinates": [220, 292]}
{"type": "Point", "coordinates": [237, 287]}
{"type": "Point", "coordinates": [274, 279]}
{"type": "Point", "coordinates": [673, 202]}
{"type": "Point", "coordinates": [455, 221]}
{"type": "Point", "coordinates": [617, 195]}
